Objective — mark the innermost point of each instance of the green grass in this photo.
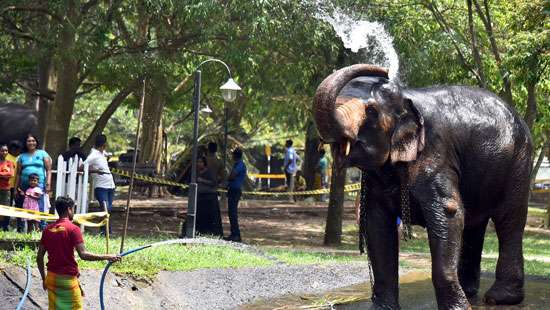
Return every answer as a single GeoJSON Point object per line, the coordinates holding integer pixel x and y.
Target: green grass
{"type": "Point", "coordinates": [298, 257]}
{"type": "Point", "coordinates": [149, 262]}
{"type": "Point", "coordinates": [531, 267]}
{"type": "Point", "coordinates": [536, 245]}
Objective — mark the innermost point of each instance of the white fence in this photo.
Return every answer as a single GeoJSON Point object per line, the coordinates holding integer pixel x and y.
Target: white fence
{"type": "Point", "coordinates": [73, 183]}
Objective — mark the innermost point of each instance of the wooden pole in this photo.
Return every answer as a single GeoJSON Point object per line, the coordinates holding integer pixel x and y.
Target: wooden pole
{"type": "Point", "coordinates": [136, 145]}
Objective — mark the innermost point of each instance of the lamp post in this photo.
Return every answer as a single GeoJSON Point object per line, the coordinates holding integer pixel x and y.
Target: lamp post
{"type": "Point", "coordinates": [229, 93]}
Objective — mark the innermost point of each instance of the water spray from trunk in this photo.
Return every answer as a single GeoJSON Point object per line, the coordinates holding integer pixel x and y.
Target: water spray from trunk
{"type": "Point", "coordinates": [370, 39]}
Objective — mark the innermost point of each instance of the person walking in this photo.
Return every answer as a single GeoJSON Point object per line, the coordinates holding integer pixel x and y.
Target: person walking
{"type": "Point", "coordinates": [104, 185]}
{"type": "Point", "coordinates": [33, 160]}
{"type": "Point", "coordinates": [7, 171]}
{"type": "Point", "coordinates": [290, 165]}
{"type": "Point", "coordinates": [59, 240]}
{"type": "Point", "coordinates": [234, 191]}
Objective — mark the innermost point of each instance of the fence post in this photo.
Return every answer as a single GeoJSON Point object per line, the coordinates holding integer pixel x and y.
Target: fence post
{"type": "Point", "coordinates": [71, 188]}
{"type": "Point", "coordinates": [84, 196]}
{"type": "Point", "coordinates": [60, 180]}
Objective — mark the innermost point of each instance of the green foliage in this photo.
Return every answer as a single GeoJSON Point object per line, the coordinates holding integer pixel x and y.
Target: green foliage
{"type": "Point", "coordinates": [278, 52]}
{"type": "Point", "coordinates": [121, 128]}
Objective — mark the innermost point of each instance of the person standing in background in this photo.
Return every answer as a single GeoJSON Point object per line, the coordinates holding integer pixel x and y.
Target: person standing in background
{"type": "Point", "coordinates": [33, 160]}
{"type": "Point", "coordinates": [74, 149]}
{"type": "Point", "coordinates": [322, 170]}
{"type": "Point", "coordinates": [104, 185]}
{"type": "Point", "coordinates": [14, 149]}
{"type": "Point", "coordinates": [215, 165]}
{"type": "Point", "coordinates": [208, 218]}
{"type": "Point", "coordinates": [290, 165]}
{"type": "Point", "coordinates": [7, 171]}
{"type": "Point", "coordinates": [234, 191]}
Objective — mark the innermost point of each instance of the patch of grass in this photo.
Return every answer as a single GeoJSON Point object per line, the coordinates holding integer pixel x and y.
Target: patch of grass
{"type": "Point", "coordinates": [535, 245]}
{"type": "Point", "coordinates": [531, 267]}
{"type": "Point", "coordinates": [149, 262]}
{"type": "Point", "coordinates": [537, 212]}
{"type": "Point", "coordinates": [305, 257]}
{"type": "Point", "coordinates": [11, 235]}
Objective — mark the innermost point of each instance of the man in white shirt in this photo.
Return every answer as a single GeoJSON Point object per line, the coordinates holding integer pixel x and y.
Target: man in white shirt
{"type": "Point", "coordinates": [104, 186]}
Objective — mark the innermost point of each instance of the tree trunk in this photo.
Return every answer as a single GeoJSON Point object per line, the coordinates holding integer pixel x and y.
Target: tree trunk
{"type": "Point", "coordinates": [531, 112]}
{"type": "Point", "coordinates": [311, 158]}
{"type": "Point", "coordinates": [545, 147]}
{"type": "Point", "coordinates": [30, 92]}
{"type": "Point", "coordinates": [67, 68]}
{"type": "Point", "coordinates": [333, 228]}
{"type": "Point", "coordinates": [151, 134]}
{"type": "Point", "coordinates": [46, 82]}
{"type": "Point", "coordinates": [102, 121]}
{"type": "Point", "coordinates": [475, 50]}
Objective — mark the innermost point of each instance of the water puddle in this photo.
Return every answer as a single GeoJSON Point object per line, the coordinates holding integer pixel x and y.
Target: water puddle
{"type": "Point", "coordinates": [416, 292]}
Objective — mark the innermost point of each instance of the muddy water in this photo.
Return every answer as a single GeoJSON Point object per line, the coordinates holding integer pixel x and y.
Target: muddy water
{"type": "Point", "coordinates": [416, 292]}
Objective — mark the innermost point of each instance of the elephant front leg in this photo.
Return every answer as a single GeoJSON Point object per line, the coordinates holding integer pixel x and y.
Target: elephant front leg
{"type": "Point", "coordinates": [445, 223]}
{"type": "Point", "coordinates": [383, 255]}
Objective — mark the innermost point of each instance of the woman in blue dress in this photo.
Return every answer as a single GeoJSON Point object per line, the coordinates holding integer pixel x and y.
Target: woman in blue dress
{"type": "Point", "coordinates": [37, 161]}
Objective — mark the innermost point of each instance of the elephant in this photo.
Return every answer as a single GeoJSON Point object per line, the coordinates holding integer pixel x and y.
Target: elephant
{"type": "Point", "coordinates": [16, 122]}
{"type": "Point", "coordinates": [447, 158]}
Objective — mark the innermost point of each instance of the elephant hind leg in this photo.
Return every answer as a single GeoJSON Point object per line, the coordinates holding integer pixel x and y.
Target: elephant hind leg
{"type": "Point", "coordinates": [509, 218]}
{"type": "Point", "coordinates": [470, 258]}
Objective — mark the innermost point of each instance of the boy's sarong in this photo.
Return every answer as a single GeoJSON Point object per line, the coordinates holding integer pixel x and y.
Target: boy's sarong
{"type": "Point", "coordinates": [63, 292]}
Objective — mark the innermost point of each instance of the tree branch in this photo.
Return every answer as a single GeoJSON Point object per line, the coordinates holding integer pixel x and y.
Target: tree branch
{"type": "Point", "coordinates": [109, 111]}
{"type": "Point", "coordinates": [486, 20]}
{"type": "Point", "coordinates": [89, 90]}
{"type": "Point", "coordinates": [182, 83]}
{"type": "Point", "coordinates": [475, 51]}
{"type": "Point", "coordinates": [447, 29]}
{"type": "Point", "coordinates": [50, 95]}
{"type": "Point", "coordinates": [33, 9]}
{"type": "Point", "coordinates": [87, 6]}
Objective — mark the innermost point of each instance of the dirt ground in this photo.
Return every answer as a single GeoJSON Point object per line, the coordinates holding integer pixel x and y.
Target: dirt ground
{"type": "Point", "coordinates": [262, 222]}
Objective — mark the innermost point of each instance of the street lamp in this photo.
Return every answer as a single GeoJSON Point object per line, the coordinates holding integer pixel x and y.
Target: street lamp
{"type": "Point", "coordinates": [229, 93]}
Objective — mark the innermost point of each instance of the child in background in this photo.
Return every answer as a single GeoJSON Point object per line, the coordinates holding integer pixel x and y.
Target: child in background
{"type": "Point", "coordinates": [32, 195]}
{"type": "Point", "coordinates": [7, 170]}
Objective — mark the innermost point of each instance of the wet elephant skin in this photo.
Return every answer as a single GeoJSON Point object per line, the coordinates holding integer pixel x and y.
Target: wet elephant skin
{"type": "Point", "coordinates": [460, 154]}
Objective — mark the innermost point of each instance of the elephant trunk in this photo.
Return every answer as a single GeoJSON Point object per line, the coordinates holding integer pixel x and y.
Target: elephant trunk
{"type": "Point", "coordinates": [341, 118]}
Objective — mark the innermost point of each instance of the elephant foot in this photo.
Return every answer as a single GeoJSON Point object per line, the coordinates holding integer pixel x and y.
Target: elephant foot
{"type": "Point", "coordinates": [470, 288]}
{"type": "Point", "coordinates": [502, 294]}
{"type": "Point", "coordinates": [378, 304]}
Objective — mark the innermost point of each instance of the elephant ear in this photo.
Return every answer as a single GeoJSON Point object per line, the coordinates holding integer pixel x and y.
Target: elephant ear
{"type": "Point", "coordinates": [407, 140]}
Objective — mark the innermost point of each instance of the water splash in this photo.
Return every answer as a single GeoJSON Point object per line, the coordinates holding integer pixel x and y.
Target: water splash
{"type": "Point", "coordinates": [369, 39]}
